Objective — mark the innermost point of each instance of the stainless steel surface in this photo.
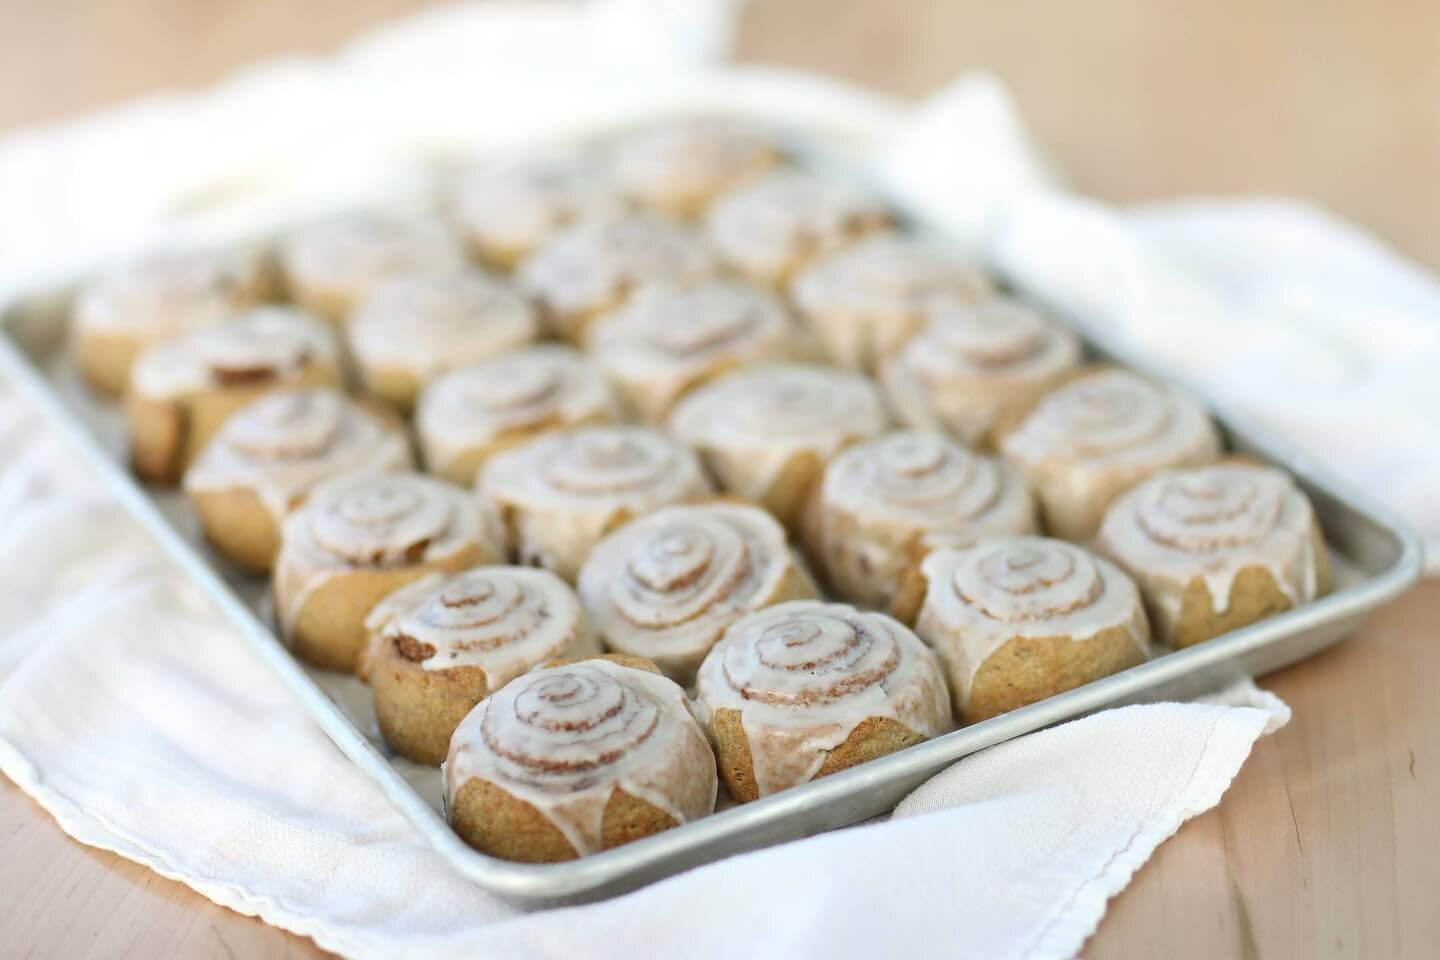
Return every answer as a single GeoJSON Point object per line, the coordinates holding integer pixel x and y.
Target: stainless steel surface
{"type": "Point", "coordinates": [1376, 559]}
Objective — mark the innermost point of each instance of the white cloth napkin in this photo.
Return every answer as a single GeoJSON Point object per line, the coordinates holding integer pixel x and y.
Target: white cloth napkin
{"type": "Point", "coordinates": [146, 728]}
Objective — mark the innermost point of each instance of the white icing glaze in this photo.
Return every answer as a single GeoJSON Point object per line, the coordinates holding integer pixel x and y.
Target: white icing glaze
{"type": "Point", "coordinates": [256, 346]}
{"type": "Point", "coordinates": [667, 585]}
{"type": "Point", "coordinates": [881, 498]}
{"type": "Point", "coordinates": [508, 210]}
{"type": "Point", "coordinates": [372, 521]}
{"type": "Point", "coordinates": [665, 341]}
{"type": "Point", "coordinates": [752, 424]}
{"type": "Point", "coordinates": [345, 257]}
{"type": "Point", "coordinates": [972, 362]}
{"type": "Point", "coordinates": [769, 229]}
{"type": "Point", "coordinates": [544, 386]}
{"type": "Point", "coordinates": [596, 264]}
{"type": "Point", "coordinates": [1088, 440]}
{"type": "Point", "coordinates": [1210, 523]}
{"type": "Point", "coordinates": [680, 164]}
{"type": "Point", "coordinates": [804, 675]}
{"type": "Point", "coordinates": [564, 739]}
{"type": "Point", "coordinates": [168, 295]}
{"type": "Point", "coordinates": [424, 324]}
{"type": "Point", "coordinates": [559, 494]}
{"type": "Point", "coordinates": [286, 442]}
{"type": "Point", "coordinates": [1000, 588]}
{"type": "Point", "coordinates": [867, 299]}
{"type": "Point", "coordinates": [504, 620]}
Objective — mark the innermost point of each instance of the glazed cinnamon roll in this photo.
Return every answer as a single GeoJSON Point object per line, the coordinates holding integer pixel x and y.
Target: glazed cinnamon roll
{"type": "Point", "coordinates": [801, 690]}
{"type": "Point", "coordinates": [679, 166]}
{"type": "Point", "coordinates": [1216, 548]}
{"type": "Point", "coordinates": [329, 267]}
{"type": "Point", "coordinates": [270, 454]}
{"type": "Point", "coordinates": [1019, 619]}
{"type": "Point", "coordinates": [556, 496]}
{"type": "Point", "coordinates": [767, 432]}
{"type": "Point", "coordinates": [412, 328]}
{"type": "Point", "coordinates": [507, 211]}
{"type": "Point", "coordinates": [864, 301]}
{"type": "Point", "coordinates": [972, 363]}
{"type": "Point", "coordinates": [182, 390]}
{"type": "Point", "coordinates": [594, 266]}
{"type": "Point", "coordinates": [442, 644]}
{"type": "Point", "coordinates": [882, 500]}
{"type": "Point", "coordinates": [666, 586]}
{"type": "Point", "coordinates": [1098, 434]}
{"type": "Point", "coordinates": [468, 415]}
{"type": "Point", "coordinates": [773, 228]}
{"type": "Point", "coordinates": [154, 300]}
{"type": "Point", "coordinates": [357, 538]}
{"type": "Point", "coordinates": [570, 760]}
{"type": "Point", "coordinates": [668, 341]}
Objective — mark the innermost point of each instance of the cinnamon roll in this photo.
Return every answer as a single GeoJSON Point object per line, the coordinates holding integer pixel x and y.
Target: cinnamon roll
{"type": "Point", "coordinates": [154, 300]}
{"type": "Point", "coordinates": [773, 228]}
{"type": "Point", "coordinates": [268, 456]}
{"type": "Point", "coordinates": [412, 328]}
{"type": "Point", "coordinates": [864, 301]}
{"type": "Point", "coordinates": [801, 690]}
{"type": "Point", "coordinates": [767, 431]}
{"type": "Point", "coordinates": [507, 211]}
{"type": "Point", "coordinates": [1098, 434]}
{"type": "Point", "coordinates": [442, 644]}
{"type": "Point", "coordinates": [679, 166]}
{"type": "Point", "coordinates": [182, 390]}
{"type": "Point", "coordinates": [556, 496]}
{"type": "Point", "coordinates": [882, 500]}
{"type": "Point", "coordinates": [357, 538]}
{"type": "Point", "coordinates": [666, 586]}
{"type": "Point", "coordinates": [667, 341]}
{"type": "Point", "coordinates": [1216, 548]}
{"type": "Point", "coordinates": [1019, 619]}
{"type": "Point", "coordinates": [972, 363]}
{"type": "Point", "coordinates": [330, 266]}
{"type": "Point", "coordinates": [594, 266]}
{"type": "Point", "coordinates": [468, 415]}
{"type": "Point", "coordinates": [570, 760]}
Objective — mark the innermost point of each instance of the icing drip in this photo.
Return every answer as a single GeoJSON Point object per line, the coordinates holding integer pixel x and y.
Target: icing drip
{"type": "Point", "coordinates": [972, 363]}
{"type": "Point", "coordinates": [804, 675]}
{"type": "Point", "coordinates": [667, 585]}
{"type": "Point", "coordinates": [509, 210]}
{"type": "Point", "coordinates": [547, 385]}
{"type": "Point", "coordinates": [1211, 523]}
{"type": "Point", "coordinates": [1004, 587]}
{"type": "Point", "coordinates": [564, 739]}
{"type": "Point", "coordinates": [372, 521]}
{"type": "Point", "coordinates": [423, 324]}
{"type": "Point", "coordinates": [666, 341]}
{"type": "Point", "coordinates": [598, 263]}
{"type": "Point", "coordinates": [168, 295]}
{"type": "Point", "coordinates": [283, 444]}
{"type": "Point", "coordinates": [868, 298]}
{"type": "Point", "coordinates": [260, 345]}
{"type": "Point", "coordinates": [769, 229]}
{"type": "Point", "coordinates": [679, 164]}
{"type": "Point", "coordinates": [881, 497]}
{"type": "Point", "coordinates": [347, 256]}
{"type": "Point", "coordinates": [753, 423]}
{"type": "Point", "coordinates": [504, 620]}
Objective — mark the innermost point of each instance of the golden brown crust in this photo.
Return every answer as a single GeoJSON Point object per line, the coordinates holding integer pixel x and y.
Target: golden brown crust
{"type": "Point", "coordinates": [1028, 669]}
{"type": "Point", "coordinates": [872, 737]}
{"type": "Point", "coordinates": [620, 659]}
{"type": "Point", "coordinates": [239, 526]}
{"type": "Point", "coordinates": [397, 389]}
{"type": "Point", "coordinates": [105, 360]}
{"type": "Point", "coordinates": [793, 489]}
{"type": "Point", "coordinates": [419, 709]}
{"type": "Point", "coordinates": [498, 823]}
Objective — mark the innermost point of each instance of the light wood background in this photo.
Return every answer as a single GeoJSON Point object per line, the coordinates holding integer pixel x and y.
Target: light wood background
{"type": "Point", "coordinates": [1327, 845]}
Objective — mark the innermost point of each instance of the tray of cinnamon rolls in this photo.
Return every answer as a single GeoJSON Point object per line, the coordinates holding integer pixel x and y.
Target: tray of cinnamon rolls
{"type": "Point", "coordinates": [664, 495]}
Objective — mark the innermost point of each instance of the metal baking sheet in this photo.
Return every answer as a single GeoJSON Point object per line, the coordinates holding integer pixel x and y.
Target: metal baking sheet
{"type": "Point", "coordinates": [1374, 557]}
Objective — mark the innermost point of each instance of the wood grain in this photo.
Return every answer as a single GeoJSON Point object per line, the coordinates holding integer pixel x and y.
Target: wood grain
{"type": "Point", "coordinates": [1327, 844]}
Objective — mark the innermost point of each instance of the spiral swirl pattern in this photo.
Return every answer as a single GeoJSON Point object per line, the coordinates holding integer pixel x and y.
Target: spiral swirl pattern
{"type": "Point", "coordinates": [347, 256]}
{"type": "Point", "coordinates": [609, 461]}
{"type": "Point", "coordinates": [1219, 508]}
{"type": "Point", "coordinates": [679, 165]}
{"type": "Point", "coordinates": [289, 425]}
{"type": "Point", "coordinates": [169, 294]}
{"type": "Point", "coordinates": [1027, 580]}
{"type": "Point", "coordinates": [810, 405]}
{"type": "Point", "coordinates": [818, 655]}
{"type": "Point", "coordinates": [509, 210]}
{"type": "Point", "coordinates": [260, 345]}
{"type": "Point", "coordinates": [381, 520]}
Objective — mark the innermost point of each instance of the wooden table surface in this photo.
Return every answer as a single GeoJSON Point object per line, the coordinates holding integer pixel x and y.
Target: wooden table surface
{"type": "Point", "coordinates": [1327, 845]}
